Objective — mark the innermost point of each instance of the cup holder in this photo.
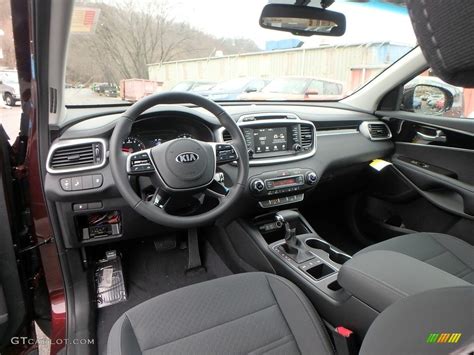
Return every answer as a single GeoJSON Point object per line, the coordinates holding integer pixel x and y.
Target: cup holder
{"type": "Point", "coordinates": [338, 257]}
{"type": "Point", "coordinates": [335, 256]}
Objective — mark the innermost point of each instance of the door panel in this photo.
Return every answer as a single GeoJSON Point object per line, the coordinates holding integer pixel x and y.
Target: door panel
{"type": "Point", "coordinates": [430, 186]}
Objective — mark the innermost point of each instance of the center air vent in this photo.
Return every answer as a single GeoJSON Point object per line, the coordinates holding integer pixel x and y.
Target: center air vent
{"type": "Point", "coordinates": [77, 155]}
{"type": "Point", "coordinates": [306, 136]}
{"type": "Point", "coordinates": [375, 130]}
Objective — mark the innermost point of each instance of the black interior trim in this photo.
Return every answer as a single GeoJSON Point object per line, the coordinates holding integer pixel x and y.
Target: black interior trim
{"type": "Point", "coordinates": [444, 192]}
{"type": "Point", "coordinates": [461, 125]}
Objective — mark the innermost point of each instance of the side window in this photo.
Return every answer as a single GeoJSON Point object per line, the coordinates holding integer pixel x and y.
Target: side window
{"type": "Point", "coordinates": [429, 95]}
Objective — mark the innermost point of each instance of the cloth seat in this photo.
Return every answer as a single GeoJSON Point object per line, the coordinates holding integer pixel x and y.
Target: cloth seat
{"type": "Point", "coordinates": [443, 251]}
{"type": "Point", "coordinates": [250, 313]}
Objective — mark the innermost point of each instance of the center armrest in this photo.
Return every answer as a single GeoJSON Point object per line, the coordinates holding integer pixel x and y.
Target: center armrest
{"type": "Point", "coordinates": [380, 278]}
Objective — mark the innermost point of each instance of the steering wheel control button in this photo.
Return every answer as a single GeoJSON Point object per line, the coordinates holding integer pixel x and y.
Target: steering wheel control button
{"type": "Point", "coordinates": [66, 184]}
{"type": "Point", "coordinates": [140, 163]}
{"type": "Point", "coordinates": [225, 153]}
{"type": "Point", "coordinates": [97, 180]}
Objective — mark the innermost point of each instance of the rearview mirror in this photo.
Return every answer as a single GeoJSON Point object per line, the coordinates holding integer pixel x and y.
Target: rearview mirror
{"type": "Point", "coordinates": [427, 99]}
{"type": "Point", "coordinates": [303, 20]}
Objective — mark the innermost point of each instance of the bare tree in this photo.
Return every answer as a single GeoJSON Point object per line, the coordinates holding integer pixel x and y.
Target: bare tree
{"type": "Point", "coordinates": [134, 33]}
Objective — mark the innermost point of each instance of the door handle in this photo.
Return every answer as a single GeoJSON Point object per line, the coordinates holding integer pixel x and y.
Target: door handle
{"type": "Point", "coordinates": [439, 136]}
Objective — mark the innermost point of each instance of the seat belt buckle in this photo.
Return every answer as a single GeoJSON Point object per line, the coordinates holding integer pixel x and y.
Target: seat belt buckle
{"type": "Point", "coordinates": [345, 342]}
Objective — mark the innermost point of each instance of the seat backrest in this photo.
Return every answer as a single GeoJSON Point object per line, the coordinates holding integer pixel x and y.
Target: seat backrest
{"type": "Point", "coordinates": [438, 321]}
{"type": "Point", "coordinates": [445, 30]}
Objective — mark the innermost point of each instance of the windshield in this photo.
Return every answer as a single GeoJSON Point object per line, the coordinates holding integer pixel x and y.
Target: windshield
{"type": "Point", "coordinates": [232, 85]}
{"type": "Point", "coordinates": [123, 50]}
{"type": "Point", "coordinates": [287, 86]}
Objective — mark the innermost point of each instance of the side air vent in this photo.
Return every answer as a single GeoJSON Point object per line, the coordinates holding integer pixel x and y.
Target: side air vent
{"type": "Point", "coordinates": [226, 137]}
{"type": "Point", "coordinates": [76, 155]}
{"type": "Point", "coordinates": [306, 137]}
{"type": "Point", "coordinates": [375, 131]}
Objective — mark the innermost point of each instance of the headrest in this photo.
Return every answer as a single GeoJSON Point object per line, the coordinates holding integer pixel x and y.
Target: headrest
{"type": "Point", "coordinates": [445, 32]}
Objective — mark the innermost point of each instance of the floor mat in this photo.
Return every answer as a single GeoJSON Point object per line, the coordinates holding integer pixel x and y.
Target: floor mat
{"type": "Point", "coordinates": [149, 273]}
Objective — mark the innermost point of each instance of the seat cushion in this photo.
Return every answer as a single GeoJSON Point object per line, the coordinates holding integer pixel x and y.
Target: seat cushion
{"type": "Point", "coordinates": [246, 313]}
{"type": "Point", "coordinates": [445, 252]}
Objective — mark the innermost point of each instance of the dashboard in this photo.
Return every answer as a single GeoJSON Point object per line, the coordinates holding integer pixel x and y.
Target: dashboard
{"type": "Point", "coordinates": [292, 156]}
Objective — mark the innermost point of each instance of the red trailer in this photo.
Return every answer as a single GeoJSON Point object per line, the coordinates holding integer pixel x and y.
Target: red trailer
{"type": "Point", "coordinates": [135, 89]}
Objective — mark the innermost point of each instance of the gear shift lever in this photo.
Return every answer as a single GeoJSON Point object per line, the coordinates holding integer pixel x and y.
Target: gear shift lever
{"type": "Point", "coordinates": [293, 246]}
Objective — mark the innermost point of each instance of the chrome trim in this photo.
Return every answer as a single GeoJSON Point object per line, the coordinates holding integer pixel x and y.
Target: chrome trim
{"type": "Point", "coordinates": [71, 143]}
{"type": "Point", "coordinates": [337, 132]}
{"type": "Point", "coordinates": [291, 116]}
{"type": "Point", "coordinates": [364, 129]}
{"type": "Point", "coordinates": [438, 137]}
{"type": "Point", "coordinates": [276, 160]}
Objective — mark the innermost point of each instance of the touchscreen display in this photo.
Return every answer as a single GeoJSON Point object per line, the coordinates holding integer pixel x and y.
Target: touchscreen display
{"type": "Point", "coordinates": [268, 140]}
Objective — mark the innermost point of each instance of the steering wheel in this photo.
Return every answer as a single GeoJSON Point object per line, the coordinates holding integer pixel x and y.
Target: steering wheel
{"type": "Point", "coordinates": [180, 167]}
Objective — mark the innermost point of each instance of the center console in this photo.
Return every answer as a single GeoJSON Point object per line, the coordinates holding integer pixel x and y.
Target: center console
{"type": "Point", "coordinates": [304, 251]}
{"type": "Point", "coordinates": [283, 242]}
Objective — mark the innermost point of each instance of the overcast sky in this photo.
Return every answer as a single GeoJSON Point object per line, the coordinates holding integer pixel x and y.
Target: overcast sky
{"type": "Point", "coordinates": [366, 22]}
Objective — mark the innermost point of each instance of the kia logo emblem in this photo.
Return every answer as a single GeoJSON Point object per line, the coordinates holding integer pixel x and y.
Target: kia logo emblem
{"type": "Point", "coordinates": [187, 157]}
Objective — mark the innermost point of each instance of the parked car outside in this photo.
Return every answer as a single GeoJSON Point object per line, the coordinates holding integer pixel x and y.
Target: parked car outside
{"type": "Point", "coordinates": [195, 86]}
{"type": "Point", "coordinates": [233, 89]}
{"type": "Point", "coordinates": [297, 88]}
{"type": "Point", "coordinates": [9, 87]}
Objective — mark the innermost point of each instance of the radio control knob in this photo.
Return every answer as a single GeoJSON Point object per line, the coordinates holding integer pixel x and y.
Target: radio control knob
{"type": "Point", "coordinates": [250, 153]}
{"type": "Point", "coordinates": [311, 178]}
{"type": "Point", "coordinates": [296, 147]}
{"type": "Point", "coordinates": [257, 185]}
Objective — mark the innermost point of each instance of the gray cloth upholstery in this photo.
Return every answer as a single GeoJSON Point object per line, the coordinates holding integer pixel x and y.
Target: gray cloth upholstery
{"type": "Point", "coordinates": [380, 277]}
{"type": "Point", "coordinates": [251, 313]}
{"type": "Point", "coordinates": [405, 327]}
{"type": "Point", "coordinates": [444, 31]}
{"type": "Point", "coordinates": [445, 252]}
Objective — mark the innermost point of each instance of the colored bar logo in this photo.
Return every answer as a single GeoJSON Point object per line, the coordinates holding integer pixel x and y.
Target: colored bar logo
{"type": "Point", "coordinates": [443, 338]}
